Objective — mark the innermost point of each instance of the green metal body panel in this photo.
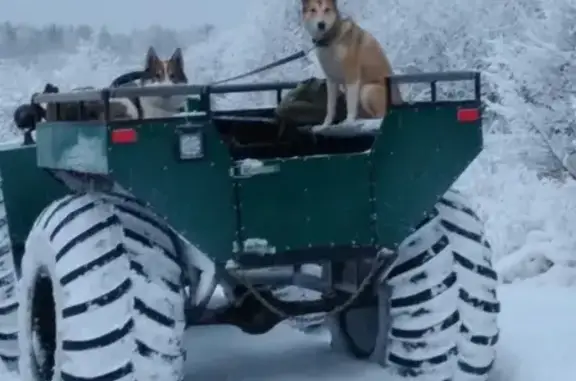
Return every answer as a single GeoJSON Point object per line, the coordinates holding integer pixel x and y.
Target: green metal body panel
{"type": "Point", "coordinates": [372, 198]}
{"type": "Point", "coordinates": [83, 148]}
{"type": "Point", "coordinates": [320, 201]}
{"type": "Point", "coordinates": [196, 196]}
{"type": "Point", "coordinates": [420, 153]}
{"type": "Point", "coordinates": [27, 190]}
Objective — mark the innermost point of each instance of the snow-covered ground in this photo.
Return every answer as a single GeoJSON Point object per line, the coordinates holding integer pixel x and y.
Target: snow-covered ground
{"type": "Point", "coordinates": [528, 203]}
{"type": "Point", "coordinates": [535, 346]}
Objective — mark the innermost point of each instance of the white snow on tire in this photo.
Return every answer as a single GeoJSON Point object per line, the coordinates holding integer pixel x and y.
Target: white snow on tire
{"type": "Point", "coordinates": [113, 321]}
{"type": "Point", "coordinates": [152, 241]}
{"type": "Point", "coordinates": [423, 307]}
{"type": "Point", "coordinates": [477, 283]}
{"type": "Point", "coordinates": [8, 301]}
{"type": "Point", "coordinates": [440, 321]}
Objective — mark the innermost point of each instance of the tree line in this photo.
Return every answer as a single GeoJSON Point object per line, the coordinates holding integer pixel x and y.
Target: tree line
{"type": "Point", "coordinates": [20, 41]}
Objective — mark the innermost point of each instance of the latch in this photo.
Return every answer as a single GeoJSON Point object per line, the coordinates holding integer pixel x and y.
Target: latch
{"type": "Point", "coordinates": [251, 167]}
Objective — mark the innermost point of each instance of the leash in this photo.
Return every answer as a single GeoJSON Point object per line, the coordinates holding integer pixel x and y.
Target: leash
{"type": "Point", "coordinates": [280, 62]}
{"type": "Point", "coordinates": [322, 42]}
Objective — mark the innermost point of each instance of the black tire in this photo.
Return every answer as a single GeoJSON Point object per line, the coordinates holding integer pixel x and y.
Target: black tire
{"type": "Point", "coordinates": [8, 297]}
{"type": "Point", "coordinates": [436, 316]}
{"type": "Point", "coordinates": [89, 308]}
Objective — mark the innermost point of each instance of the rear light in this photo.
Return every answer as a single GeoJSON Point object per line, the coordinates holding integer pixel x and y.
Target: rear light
{"type": "Point", "coordinates": [467, 115]}
{"type": "Point", "coordinates": [124, 136]}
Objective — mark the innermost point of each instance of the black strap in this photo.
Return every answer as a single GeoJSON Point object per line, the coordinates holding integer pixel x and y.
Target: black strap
{"type": "Point", "coordinates": [280, 62]}
{"type": "Point", "coordinates": [136, 102]}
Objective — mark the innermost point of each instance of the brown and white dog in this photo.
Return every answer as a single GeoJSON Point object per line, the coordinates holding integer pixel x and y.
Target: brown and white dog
{"type": "Point", "coordinates": [158, 72]}
{"type": "Point", "coordinates": [350, 58]}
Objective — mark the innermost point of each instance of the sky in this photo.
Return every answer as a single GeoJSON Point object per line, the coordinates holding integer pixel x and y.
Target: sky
{"type": "Point", "coordinates": [122, 15]}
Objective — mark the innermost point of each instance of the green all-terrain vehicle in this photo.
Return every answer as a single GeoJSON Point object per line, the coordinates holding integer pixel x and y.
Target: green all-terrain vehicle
{"type": "Point", "coordinates": [118, 233]}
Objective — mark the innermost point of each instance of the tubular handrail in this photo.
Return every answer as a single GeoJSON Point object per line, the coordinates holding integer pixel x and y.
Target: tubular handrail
{"type": "Point", "coordinates": [105, 94]}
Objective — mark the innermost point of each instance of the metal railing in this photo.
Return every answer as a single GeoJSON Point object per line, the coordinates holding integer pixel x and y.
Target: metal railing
{"type": "Point", "coordinates": [106, 94]}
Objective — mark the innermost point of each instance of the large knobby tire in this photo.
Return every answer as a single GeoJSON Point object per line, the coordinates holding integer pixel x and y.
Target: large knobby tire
{"type": "Point", "coordinates": [477, 283]}
{"type": "Point", "coordinates": [89, 307]}
{"type": "Point", "coordinates": [8, 296]}
{"type": "Point", "coordinates": [146, 232]}
{"type": "Point", "coordinates": [437, 309]}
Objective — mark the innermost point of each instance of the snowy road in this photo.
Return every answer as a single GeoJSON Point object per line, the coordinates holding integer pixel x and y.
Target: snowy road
{"type": "Point", "coordinates": [534, 346]}
{"type": "Point", "coordinates": [538, 343]}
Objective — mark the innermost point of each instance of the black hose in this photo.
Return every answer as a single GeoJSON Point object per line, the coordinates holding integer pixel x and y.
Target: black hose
{"type": "Point", "coordinates": [127, 78]}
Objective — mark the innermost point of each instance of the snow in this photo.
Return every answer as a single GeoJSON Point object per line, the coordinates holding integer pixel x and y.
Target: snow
{"type": "Point", "coordinates": [526, 52]}
{"type": "Point", "coordinates": [258, 245]}
{"type": "Point", "coordinates": [536, 321]}
{"type": "Point", "coordinates": [88, 154]}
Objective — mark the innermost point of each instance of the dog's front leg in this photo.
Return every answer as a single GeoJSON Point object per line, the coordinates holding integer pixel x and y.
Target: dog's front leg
{"type": "Point", "coordinates": [331, 98]}
{"type": "Point", "coordinates": [352, 99]}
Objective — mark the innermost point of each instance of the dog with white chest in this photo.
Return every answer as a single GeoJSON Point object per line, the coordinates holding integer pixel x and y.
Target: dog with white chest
{"type": "Point", "coordinates": [352, 59]}
{"type": "Point", "coordinates": [158, 72]}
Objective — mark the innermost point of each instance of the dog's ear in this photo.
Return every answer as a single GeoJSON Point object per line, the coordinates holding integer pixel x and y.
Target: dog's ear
{"type": "Point", "coordinates": [177, 58]}
{"type": "Point", "coordinates": [176, 67]}
{"type": "Point", "coordinates": [151, 58]}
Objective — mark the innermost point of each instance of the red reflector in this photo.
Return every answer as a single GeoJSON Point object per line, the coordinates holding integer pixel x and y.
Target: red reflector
{"type": "Point", "coordinates": [124, 136]}
{"type": "Point", "coordinates": [468, 115]}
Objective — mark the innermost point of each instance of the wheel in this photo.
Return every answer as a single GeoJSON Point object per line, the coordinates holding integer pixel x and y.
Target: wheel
{"type": "Point", "coordinates": [8, 301]}
{"type": "Point", "coordinates": [90, 306]}
{"type": "Point", "coordinates": [437, 309]}
{"type": "Point", "coordinates": [144, 231]}
{"type": "Point", "coordinates": [477, 281]}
